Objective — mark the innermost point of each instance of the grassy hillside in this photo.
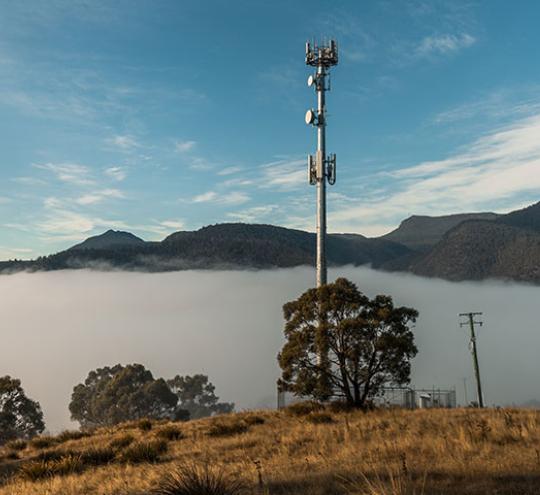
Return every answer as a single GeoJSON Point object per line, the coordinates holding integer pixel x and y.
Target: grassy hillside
{"type": "Point", "coordinates": [290, 452]}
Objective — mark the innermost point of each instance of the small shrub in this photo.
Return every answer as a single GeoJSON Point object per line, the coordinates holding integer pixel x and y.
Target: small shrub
{"type": "Point", "coordinates": [304, 408]}
{"type": "Point", "coordinates": [192, 479]}
{"type": "Point", "coordinates": [97, 456]}
{"type": "Point", "coordinates": [42, 442]}
{"type": "Point", "coordinates": [254, 419]}
{"type": "Point", "coordinates": [71, 435]}
{"type": "Point", "coordinates": [67, 461]}
{"type": "Point", "coordinates": [122, 441]}
{"type": "Point", "coordinates": [144, 452]}
{"type": "Point", "coordinates": [53, 455]}
{"type": "Point", "coordinates": [395, 483]}
{"type": "Point", "coordinates": [36, 470]}
{"type": "Point", "coordinates": [320, 418]}
{"type": "Point", "coordinates": [67, 465]}
{"type": "Point", "coordinates": [144, 425]}
{"type": "Point", "coordinates": [170, 433]}
{"type": "Point", "coordinates": [339, 406]}
{"type": "Point", "coordinates": [226, 428]}
{"type": "Point", "coordinates": [18, 444]}
{"type": "Point", "coordinates": [182, 415]}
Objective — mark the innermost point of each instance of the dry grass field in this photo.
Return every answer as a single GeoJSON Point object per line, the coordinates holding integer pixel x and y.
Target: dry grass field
{"type": "Point", "coordinates": [296, 451]}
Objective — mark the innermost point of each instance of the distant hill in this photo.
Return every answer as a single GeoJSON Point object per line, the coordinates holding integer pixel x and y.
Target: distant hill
{"type": "Point", "coordinates": [507, 247]}
{"type": "Point", "coordinates": [110, 239]}
{"type": "Point", "coordinates": [265, 246]}
{"type": "Point", "coordinates": [472, 246]}
{"type": "Point", "coordinates": [233, 245]}
{"type": "Point", "coordinates": [422, 232]}
{"type": "Point", "coordinates": [526, 218]}
{"type": "Point", "coordinates": [476, 250]}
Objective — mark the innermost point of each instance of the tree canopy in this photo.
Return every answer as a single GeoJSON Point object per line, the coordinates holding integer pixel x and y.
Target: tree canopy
{"type": "Point", "coordinates": [197, 395]}
{"type": "Point", "coordinates": [342, 344]}
{"type": "Point", "coordinates": [111, 395]}
{"type": "Point", "coordinates": [20, 416]}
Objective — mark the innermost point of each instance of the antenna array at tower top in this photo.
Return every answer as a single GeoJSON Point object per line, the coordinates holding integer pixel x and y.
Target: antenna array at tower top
{"type": "Point", "coordinates": [324, 54]}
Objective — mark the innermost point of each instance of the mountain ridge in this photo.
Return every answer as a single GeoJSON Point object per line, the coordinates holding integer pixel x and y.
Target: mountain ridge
{"type": "Point", "coordinates": [470, 246]}
{"type": "Point", "coordinates": [110, 238]}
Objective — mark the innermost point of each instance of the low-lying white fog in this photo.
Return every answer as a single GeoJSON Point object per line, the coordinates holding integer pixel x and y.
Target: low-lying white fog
{"type": "Point", "coordinates": [55, 327]}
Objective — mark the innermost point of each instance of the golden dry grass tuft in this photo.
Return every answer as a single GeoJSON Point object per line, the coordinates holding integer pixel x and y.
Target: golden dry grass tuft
{"type": "Point", "coordinates": [341, 452]}
{"type": "Point", "coordinates": [199, 479]}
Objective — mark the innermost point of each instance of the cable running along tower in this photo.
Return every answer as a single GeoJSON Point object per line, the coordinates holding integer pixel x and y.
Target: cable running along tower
{"type": "Point", "coordinates": [321, 168]}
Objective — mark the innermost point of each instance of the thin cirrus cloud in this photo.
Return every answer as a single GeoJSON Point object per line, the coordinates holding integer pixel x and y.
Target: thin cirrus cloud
{"type": "Point", "coordinates": [123, 142]}
{"type": "Point", "coordinates": [229, 170]}
{"type": "Point", "coordinates": [254, 214]}
{"type": "Point", "coordinates": [99, 196]}
{"type": "Point", "coordinates": [200, 164]}
{"type": "Point", "coordinates": [72, 173]}
{"type": "Point", "coordinates": [184, 146]}
{"type": "Point", "coordinates": [172, 224]}
{"type": "Point", "coordinates": [229, 198]}
{"type": "Point", "coordinates": [444, 44]}
{"type": "Point", "coordinates": [283, 174]}
{"type": "Point", "coordinates": [116, 173]}
{"type": "Point", "coordinates": [67, 225]}
{"type": "Point", "coordinates": [499, 170]}
{"type": "Point", "coordinates": [29, 181]}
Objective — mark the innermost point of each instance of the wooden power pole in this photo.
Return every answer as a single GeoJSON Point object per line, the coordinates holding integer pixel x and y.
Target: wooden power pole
{"type": "Point", "coordinates": [471, 322]}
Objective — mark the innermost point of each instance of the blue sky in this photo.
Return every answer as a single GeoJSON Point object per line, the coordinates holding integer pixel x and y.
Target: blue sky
{"type": "Point", "coordinates": [156, 116]}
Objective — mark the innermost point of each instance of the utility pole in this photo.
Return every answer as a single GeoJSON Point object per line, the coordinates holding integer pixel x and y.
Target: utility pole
{"type": "Point", "coordinates": [471, 323]}
{"type": "Point", "coordinates": [321, 168]}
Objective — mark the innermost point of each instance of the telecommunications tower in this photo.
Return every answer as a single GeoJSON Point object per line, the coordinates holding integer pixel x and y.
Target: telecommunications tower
{"type": "Point", "coordinates": [321, 168]}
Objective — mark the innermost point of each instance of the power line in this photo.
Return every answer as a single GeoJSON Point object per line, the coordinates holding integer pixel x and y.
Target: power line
{"type": "Point", "coordinates": [472, 320]}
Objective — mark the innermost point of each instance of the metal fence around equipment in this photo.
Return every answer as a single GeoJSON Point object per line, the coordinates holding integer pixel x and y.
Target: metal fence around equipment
{"type": "Point", "coordinates": [407, 398]}
{"type": "Point", "coordinates": [420, 398]}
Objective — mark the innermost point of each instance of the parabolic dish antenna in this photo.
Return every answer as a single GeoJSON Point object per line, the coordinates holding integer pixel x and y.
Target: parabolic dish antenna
{"type": "Point", "coordinates": [310, 117]}
{"type": "Point", "coordinates": [310, 81]}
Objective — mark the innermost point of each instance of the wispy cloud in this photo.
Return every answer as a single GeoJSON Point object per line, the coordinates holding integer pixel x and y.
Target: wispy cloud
{"type": "Point", "coordinates": [116, 173]}
{"type": "Point", "coordinates": [284, 174]}
{"type": "Point", "coordinates": [229, 170]}
{"type": "Point", "coordinates": [237, 181]}
{"type": "Point", "coordinates": [205, 197]}
{"type": "Point", "coordinates": [200, 164]}
{"type": "Point", "coordinates": [67, 224]}
{"type": "Point", "coordinates": [172, 224]}
{"type": "Point", "coordinates": [99, 196]}
{"type": "Point", "coordinates": [229, 198]}
{"type": "Point", "coordinates": [257, 214]}
{"type": "Point", "coordinates": [496, 171]}
{"type": "Point", "coordinates": [62, 224]}
{"type": "Point", "coordinates": [443, 44]}
{"type": "Point", "coordinates": [72, 173]}
{"type": "Point", "coordinates": [123, 142]}
{"type": "Point", "coordinates": [517, 102]}
{"type": "Point", "coordinates": [4, 200]}
{"type": "Point", "coordinates": [7, 252]}
{"type": "Point", "coordinates": [52, 202]}
{"type": "Point", "coordinates": [184, 146]}
{"type": "Point", "coordinates": [29, 181]}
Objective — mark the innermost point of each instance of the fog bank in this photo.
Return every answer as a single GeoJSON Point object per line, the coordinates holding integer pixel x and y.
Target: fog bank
{"type": "Point", "coordinates": [57, 326]}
